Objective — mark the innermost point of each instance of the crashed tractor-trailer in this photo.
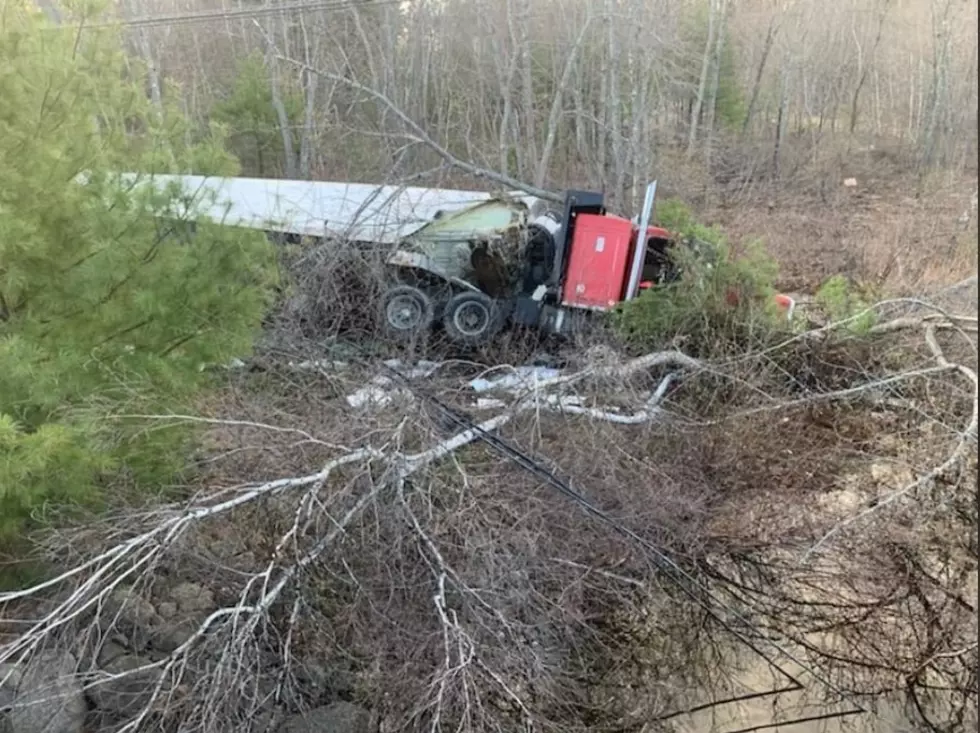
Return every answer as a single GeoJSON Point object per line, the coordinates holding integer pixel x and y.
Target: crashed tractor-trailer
{"type": "Point", "coordinates": [469, 262]}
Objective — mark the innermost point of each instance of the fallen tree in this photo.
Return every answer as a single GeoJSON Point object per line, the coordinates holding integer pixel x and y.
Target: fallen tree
{"type": "Point", "coordinates": [459, 588]}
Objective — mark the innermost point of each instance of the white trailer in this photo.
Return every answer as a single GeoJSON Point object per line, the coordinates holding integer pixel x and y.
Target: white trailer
{"type": "Point", "coordinates": [358, 212]}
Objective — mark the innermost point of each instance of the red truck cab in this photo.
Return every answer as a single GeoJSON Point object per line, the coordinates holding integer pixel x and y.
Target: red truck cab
{"type": "Point", "coordinates": [599, 257]}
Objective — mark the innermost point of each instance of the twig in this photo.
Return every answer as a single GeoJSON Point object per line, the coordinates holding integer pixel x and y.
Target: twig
{"type": "Point", "coordinates": [176, 419]}
{"type": "Point", "coordinates": [967, 437]}
{"type": "Point", "coordinates": [822, 331]}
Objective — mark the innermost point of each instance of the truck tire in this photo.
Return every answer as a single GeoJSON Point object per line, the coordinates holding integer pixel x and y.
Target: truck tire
{"type": "Point", "coordinates": [406, 313]}
{"type": "Point", "coordinates": [472, 318]}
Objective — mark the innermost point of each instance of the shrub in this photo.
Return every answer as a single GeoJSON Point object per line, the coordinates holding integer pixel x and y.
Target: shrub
{"type": "Point", "coordinates": [105, 309]}
{"type": "Point", "coordinates": [842, 301]}
{"type": "Point", "coordinates": [719, 302]}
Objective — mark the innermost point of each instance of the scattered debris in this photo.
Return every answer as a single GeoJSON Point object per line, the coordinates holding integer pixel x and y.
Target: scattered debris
{"type": "Point", "coordinates": [381, 392]}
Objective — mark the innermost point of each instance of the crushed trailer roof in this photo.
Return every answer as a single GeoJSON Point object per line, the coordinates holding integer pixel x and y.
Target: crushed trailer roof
{"type": "Point", "coordinates": [354, 211]}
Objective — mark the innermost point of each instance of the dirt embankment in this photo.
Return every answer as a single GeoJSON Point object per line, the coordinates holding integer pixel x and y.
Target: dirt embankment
{"type": "Point", "coordinates": [908, 237]}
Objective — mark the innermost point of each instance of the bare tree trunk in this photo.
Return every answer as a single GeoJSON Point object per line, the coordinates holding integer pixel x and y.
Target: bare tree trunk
{"type": "Point", "coordinates": [152, 70]}
{"type": "Point", "coordinates": [920, 103]}
{"type": "Point", "coordinates": [877, 102]}
{"type": "Point", "coordinates": [529, 139]}
{"type": "Point", "coordinates": [757, 83]}
{"type": "Point", "coordinates": [367, 47]}
{"type": "Point", "coordinates": [507, 93]}
{"type": "Point", "coordinates": [867, 67]}
{"type": "Point", "coordinates": [692, 135]}
{"type": "Point", "coordinates": [780, 119]}
{"type": "Point", "coordinates": [970, 105]}
{"type": "Point", "coordinates": [600, 138]}
{"type": "Point", "coordinates": [910, 126]}
{"type": "Point", "coordinates": [615, 105]}
{"type": "Point", "coordinates": [940, 83]}
{"type": "Point", "coordinates": [640, 143]}
{"type": "Point", "coordinates": [282, 116]}
{"type": "Point", "coordinates": [712, 101]}
{"type": "Point", "coordinates": [582, 147]}
{"type": "Point", "coordinates": [554, 116]}
{"type": "Point", "coordinates": [153, 78]}
{"type": "Point", "coordinates": [309, 83]}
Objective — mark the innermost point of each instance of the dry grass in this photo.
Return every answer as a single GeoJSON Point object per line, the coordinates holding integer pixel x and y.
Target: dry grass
{"type": "Point", "coordinates": [902, 237]}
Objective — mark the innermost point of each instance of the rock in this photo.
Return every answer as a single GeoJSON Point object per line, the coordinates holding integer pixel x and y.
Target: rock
{"type": "Point", "coordinates": [265, 721]}
{"type": "Point", "coordinates": [44, 696]}
{"type": "Point", "coordinates": [192, 598]}
{"type": "Point", "coordinates": [333, 677]}
{"type": "Point", "coordinates": [891, 475]}
{"type": "Point", "coordinates": [132, 608]}
{"type": "Point", "coordinates": [340, 717]}
{"type": "Point", "coordinates": [124, 696]}
{"type": "Point", "coordinates": [109, 651]}
{"type": "Point", "coordinates": [132, 615]}
{"type": "Point", "coordinates": [841, 503]}
{"type": "Point", "coordinates": [168, 638]}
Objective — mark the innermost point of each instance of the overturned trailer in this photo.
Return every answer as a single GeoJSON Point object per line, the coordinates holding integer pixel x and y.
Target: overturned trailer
{"type": "Point", "coordinates": [315, 210]}
{"type": "Point", "coordinates": [468, 262]}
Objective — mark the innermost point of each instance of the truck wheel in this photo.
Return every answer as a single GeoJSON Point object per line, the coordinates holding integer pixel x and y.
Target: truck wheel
{"type": "Point", "coordinates": [406, 312]}
{"type": "Point", "coordinates": [472, 318]}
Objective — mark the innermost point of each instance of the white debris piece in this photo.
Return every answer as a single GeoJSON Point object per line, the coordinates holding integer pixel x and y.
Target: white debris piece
{"type": "Point", "coordinates": [521, 378]}
{"type": "Point", "coordinates": [315, 365]}
{"type": "Point", "coordinates": [378, 393]}
{"type": "Point", "coordinates": [382, 391]}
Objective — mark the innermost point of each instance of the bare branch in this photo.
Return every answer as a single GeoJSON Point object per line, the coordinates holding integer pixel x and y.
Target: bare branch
{"type": "Point", "coordinates": [425, 138]}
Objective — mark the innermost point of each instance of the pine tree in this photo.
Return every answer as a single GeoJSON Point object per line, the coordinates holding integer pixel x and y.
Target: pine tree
{"type": "Point", "coordinates": [106, 306]}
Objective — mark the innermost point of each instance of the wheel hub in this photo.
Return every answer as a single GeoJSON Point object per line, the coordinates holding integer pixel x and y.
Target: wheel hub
{"type": "Point", "coordinates": [471, 318]}
{"type": "Point", "coordinates": [404, 313]}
